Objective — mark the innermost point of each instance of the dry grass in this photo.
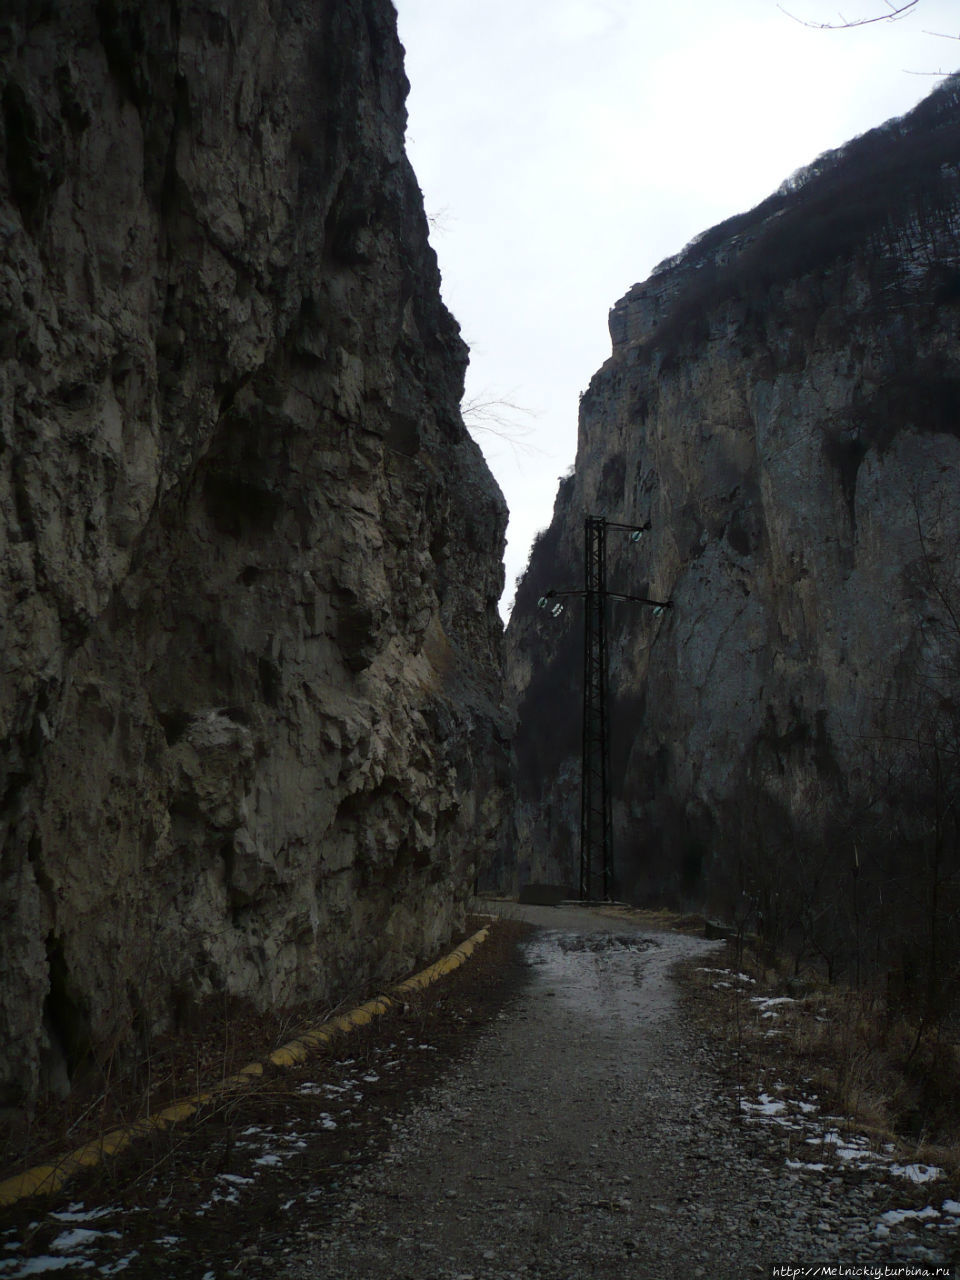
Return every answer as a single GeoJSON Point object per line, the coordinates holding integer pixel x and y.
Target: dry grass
{"type": "Point", "coordinates": [170, 1186]}
{"type": "Point", "coordinates": [843, 1046]}
{"type": "Point", "coordinates": [660, 918]}
{"type": "Point", "coordinates": [116, 1088]}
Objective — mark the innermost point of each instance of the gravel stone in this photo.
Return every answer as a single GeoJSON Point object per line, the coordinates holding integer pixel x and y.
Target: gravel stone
{"type": "Point", "coordinates": [590, 1135]}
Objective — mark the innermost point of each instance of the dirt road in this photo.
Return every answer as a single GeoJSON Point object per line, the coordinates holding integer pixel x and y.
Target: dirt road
{"type": "Point", "coordinates": [558, 1117]}
{"type": "Point", "coordinates": [583, 1138]}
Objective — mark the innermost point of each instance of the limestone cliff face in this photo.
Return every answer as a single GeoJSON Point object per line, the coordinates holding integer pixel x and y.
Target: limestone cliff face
{"type": "Point", "coordinates": [250, 726]}
{"type": "Point", "coordinates": [783, 405]}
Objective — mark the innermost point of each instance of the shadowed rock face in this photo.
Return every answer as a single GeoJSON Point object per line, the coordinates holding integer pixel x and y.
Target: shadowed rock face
{"type": "Point", "coordinates": [783, 404]}
{"type": "Point", "coordinates": [250, 726]}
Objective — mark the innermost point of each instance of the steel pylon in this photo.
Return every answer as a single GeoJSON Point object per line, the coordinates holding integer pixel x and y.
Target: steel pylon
{"type": "Point", "coordinates": [596, 813]}
{"type": "Point", "coordinates": [596, 808]}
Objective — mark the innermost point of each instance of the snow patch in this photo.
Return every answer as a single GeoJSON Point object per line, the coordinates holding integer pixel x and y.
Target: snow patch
{"type": "Point", "coordinates": [77, 1212]}
{"type": "Point", "coordinates": [766, 1106]}
{"type": "Point", "coordinates": [71, 1240]}
{"type": "Point", "coordinates": [729, 973]}
{"type": "Point", "coordinates": [120, 1265]}
{"type": "Point", "coordinates": [893, 1217]}
{"type": "Point", "coordinates": [44, 1263]}
{"type": "Point", "coordinates": [916, 1172]}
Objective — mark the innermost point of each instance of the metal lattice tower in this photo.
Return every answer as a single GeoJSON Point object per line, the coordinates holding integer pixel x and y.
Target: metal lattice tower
{"type": "Point", "coordinates": [596, 814]}
{"type": "Point", "coordinates": [596, 808]}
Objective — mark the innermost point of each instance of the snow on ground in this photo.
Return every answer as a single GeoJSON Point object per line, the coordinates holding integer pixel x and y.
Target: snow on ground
{"type": "Point", "coordinates": [727, 977]}
{"type": "Point", "coordinates": [916, 1172]}
{"type": "Point", "coordinates": [832, 1140]}
{"type": "Point", "coordinates": [93, 1252]}
{"type": "Point", "coordinates": [64, 1246]}
{"type": "Point", "coordinates": [71, 1240]}
{"type": "Point", "coordinates": [835, 1146]}
{"type": "Point", "coordinates": [769, 1006]}
{"type": "Point", "coordinates": [819, 1146]}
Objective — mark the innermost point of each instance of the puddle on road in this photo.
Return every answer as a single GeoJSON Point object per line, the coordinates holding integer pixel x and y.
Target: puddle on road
{"type": "Point", "coordinates": [600, 943]}
{"type": "Point", "coordinates": [612, 976]}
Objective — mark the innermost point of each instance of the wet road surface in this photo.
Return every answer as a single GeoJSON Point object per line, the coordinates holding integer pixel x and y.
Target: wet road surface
{"type": "Point", "coordinates": [589, 1127]}
{"type": "Point", "coordinates": [571, 1144]}
{"type": "Point", "coordinates": [590, 1135]}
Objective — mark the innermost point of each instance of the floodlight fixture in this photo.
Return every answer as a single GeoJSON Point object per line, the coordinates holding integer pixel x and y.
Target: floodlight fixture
{"type": "Point", "coordinates": [552, 601]}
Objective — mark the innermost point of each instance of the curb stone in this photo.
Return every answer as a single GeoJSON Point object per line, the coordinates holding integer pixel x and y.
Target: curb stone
{"type": "Point", "coordinates": [45, 1179]}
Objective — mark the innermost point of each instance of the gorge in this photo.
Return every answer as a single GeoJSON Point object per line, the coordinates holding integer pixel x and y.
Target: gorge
{"type": "Point", "coordinates": [254, 733]}
{"type": "Point", "coordinates": [782, 406]}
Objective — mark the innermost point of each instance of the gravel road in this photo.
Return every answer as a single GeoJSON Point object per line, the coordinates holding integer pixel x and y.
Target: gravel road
{"type": "Point", "coordinates": [585, 1138]}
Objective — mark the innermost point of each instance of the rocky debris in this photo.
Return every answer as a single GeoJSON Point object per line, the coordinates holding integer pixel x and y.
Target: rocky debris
{"type": "Point", "coordinates": [251, 734]}
{"type": "Point", "coordinates": [781, 404]}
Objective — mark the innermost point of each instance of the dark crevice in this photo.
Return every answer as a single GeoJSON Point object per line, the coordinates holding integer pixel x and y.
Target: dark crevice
{"type": "Point", "coordinates": [63, 1013]}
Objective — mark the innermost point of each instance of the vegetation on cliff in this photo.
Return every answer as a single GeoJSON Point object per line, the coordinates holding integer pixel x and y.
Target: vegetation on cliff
{"type": "Point", "coordinates": [783, 405]}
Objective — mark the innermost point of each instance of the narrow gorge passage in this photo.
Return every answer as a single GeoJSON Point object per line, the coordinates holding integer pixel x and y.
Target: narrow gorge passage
{"type": "Point", "coordinates": [586, 1136]}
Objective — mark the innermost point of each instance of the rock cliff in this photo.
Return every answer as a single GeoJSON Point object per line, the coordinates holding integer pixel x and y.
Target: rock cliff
{"type": "Point", "coordinates": [782, 404]}
{"type": "Point", "coordinates": [251, 737]}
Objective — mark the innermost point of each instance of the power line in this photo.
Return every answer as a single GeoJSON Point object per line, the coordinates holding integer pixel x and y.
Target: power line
{"type": "Point", "coordinates": [596, 808]}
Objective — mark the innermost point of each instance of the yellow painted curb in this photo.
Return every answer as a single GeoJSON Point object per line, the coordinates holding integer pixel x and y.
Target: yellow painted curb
{"type": "Point", "coordinates": [44, 1179]}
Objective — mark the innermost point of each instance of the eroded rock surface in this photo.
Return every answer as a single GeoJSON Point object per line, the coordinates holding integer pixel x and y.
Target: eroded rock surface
{"type": "Point", "coordinates": [250, 724]}
{"type": "Point", "coordinates": [782, 404]}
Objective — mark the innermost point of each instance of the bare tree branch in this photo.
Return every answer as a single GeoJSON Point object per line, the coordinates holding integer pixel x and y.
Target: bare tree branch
{"type": "Point", "coordinates": [894, 12]}
{"type": "Point", "coordinates": [440, 220]}
{"type": "Point", "coordinates": [486, 414]}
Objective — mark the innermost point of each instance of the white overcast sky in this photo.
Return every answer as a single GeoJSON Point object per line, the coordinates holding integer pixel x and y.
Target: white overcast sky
{"type": "Point", "coordinates": [565, 147]}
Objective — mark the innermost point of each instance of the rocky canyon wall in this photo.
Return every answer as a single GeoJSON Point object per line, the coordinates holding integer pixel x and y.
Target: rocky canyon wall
{"type": "Point", "coordinates": [251, 736]}
{"type": "Point", "coordinates": [782, 404]}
